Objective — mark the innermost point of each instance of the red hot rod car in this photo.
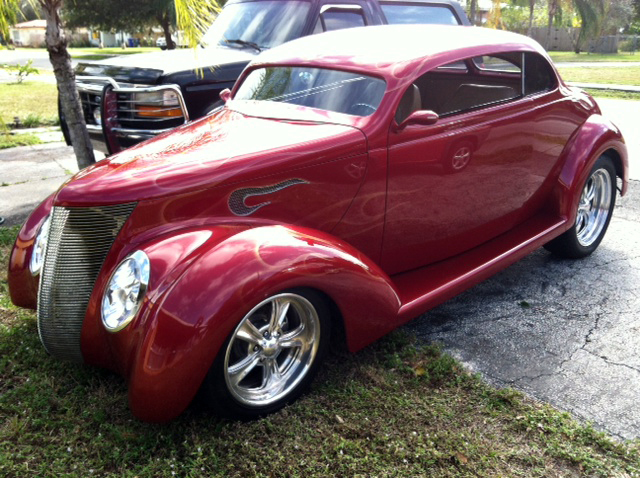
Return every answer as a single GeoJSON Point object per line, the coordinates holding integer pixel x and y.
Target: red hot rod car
{"type": "Point", "coordinates": [353, 179]}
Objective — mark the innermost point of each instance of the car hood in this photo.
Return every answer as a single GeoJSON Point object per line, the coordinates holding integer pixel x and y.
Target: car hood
{"type": "Point", "coordinates": [226, 147]}
{"type": "Point", "coordinates": [149, 67]}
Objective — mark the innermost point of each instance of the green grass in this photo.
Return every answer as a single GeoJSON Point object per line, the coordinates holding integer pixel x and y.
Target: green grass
{"type": "Point", "coordinates": [562, 56]}
{"type": "Point", "coordinates": [13, 140]}
{"type": "Point", "coordinates": [617, 95]}
{"type": "Point", "coordinates": [30, 99]}
{"type": "Point", "coordinates": [629, 75]}
{"type": "Point", "coordinates": [393, 409]}
{"type": "Point", "coordinates": [83, 52]}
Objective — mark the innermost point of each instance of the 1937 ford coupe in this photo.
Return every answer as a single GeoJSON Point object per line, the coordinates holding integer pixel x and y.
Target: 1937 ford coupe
{"type": "Point", "coordinates": [353, 179]}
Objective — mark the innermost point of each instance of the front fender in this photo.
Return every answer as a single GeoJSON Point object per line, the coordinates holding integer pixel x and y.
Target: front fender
{"type": "Point", "coordinates": [594, 138]}
{"type": "Point", "coordinates": [23, 286]}
{"type": "Point", "coordinates": [185, 328]}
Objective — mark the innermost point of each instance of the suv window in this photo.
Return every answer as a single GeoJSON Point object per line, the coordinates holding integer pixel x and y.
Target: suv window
{"type": "Point", "coordinates": [265, 24]}
{"type": "Point", "coordinates": [338, 17]}
{"type": "Point", "coordinates": [418, 13]}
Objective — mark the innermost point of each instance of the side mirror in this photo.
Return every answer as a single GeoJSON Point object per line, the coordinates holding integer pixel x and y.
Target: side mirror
{"type": "Point", "coordinates": [225, 95]}
{"type": "Point", "coordinates": [423, 117]}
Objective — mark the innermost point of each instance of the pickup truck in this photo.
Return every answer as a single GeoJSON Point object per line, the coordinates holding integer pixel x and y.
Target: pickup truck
{"type": "Point", "coordinates": [132, 98]}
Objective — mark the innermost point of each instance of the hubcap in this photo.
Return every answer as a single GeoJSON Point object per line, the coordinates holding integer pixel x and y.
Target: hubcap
{"type": "Point", "coordinates": [593, 209]}
{"type": "Point", "coordinates": [272, 349]}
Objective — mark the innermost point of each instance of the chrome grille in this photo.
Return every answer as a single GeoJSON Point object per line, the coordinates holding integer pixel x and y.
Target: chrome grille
{"type": "Point", "coordinates": [79, 241]}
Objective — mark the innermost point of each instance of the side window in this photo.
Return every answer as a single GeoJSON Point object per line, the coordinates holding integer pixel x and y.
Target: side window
{"type": "Point", "coordinates": [538, 74]}
{"type": "Point", "coordinates": [337, 17]}
{"type": "Point", "coordinates": [418, 13]}
{"type": "Point", "coordinates": [471, 84]}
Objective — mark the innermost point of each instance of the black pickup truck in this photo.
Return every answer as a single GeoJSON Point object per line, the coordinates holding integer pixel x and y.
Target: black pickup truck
{"type": "Point", "coordinates": [132, 98]}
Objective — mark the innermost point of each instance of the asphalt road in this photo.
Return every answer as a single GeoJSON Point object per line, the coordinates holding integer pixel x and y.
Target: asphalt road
{"type": "Point", "coordinates": [565, 332]}
{"type": "Point", "coordinates": [21, 56]}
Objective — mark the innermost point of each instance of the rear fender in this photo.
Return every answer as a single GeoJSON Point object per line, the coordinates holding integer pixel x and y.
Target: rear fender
{"type": "Point", "coordinates": [185, 329]}
{"type": "Point", "coordinates": [594, 138]}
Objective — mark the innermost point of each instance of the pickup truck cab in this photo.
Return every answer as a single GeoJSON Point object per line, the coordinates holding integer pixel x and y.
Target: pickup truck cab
{"type": "Point", "coordinates": [129, 99]}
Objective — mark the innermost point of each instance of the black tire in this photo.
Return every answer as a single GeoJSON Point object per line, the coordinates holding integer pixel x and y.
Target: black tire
{"type": "Point", "coordinates": [256, 373]}
{"type": "Point", "coordinates": [597, 200]}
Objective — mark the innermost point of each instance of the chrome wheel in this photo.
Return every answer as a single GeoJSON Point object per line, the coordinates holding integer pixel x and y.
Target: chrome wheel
{"type": "Point", "coordinates": [272, 350]}
{"type": "Point", "coordinates": [594, 207]}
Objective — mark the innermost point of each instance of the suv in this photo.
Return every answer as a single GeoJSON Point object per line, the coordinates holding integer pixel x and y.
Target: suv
{"type": "Point", "coordinates": [130, 99]}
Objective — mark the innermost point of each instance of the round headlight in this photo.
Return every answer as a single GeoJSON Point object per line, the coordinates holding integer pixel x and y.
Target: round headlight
{"type": "Point", "coordinates": [40, 248]}
{"type": "Point", "coordinates": [125, 291]}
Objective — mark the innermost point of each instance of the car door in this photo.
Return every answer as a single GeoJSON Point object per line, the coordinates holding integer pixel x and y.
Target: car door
{"type": "Point", "coordinates": [467, 178]}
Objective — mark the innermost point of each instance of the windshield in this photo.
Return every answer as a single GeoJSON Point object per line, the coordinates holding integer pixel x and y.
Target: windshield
{"type": "Point", "coordinates": [331, 90]}
{"type": "Point", "coordinates": [258, 24]}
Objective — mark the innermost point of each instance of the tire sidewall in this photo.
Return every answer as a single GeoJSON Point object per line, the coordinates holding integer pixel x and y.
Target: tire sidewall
{"type": "Point", "coordinates": [215, 389]}
{"type": "Point", "coordinates": [603, 162]}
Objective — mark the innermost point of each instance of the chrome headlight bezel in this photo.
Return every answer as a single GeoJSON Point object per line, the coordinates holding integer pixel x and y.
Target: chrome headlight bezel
{"type": "Point", "coordinates": [125, 292]}
{"type": "Point", "coordinates": [40, 247]}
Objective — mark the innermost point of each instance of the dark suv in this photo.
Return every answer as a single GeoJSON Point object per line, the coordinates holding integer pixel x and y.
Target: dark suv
{"type": "Point", "coordinates": [129, 99]}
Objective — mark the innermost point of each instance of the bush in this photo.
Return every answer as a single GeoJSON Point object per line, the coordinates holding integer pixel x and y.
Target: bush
{"type": "Point", "coordinates": [80, 43]}
{"type": "Point", "coordinates": [22, 71]}
{"type": "Point", "coordinates": [632, 44]}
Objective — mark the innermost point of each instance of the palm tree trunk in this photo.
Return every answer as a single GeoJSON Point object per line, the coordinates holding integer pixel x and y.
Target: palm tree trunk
{"type": "Point", "coordinates": [472, 11]}
{"type": "Point", "coordinates": [532, 4]}
{"type": "Point", "coordinates": [65, 78]}
{"type": "Point", "coordinates": [165, 23]}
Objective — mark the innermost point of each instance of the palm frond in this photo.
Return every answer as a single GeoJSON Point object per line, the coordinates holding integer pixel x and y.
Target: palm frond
{"type": "Point", "coordinates": [194, 17]}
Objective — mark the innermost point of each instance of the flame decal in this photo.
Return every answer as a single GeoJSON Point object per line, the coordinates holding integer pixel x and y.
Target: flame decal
{"type": "Point", "coordinates": [238, 197]}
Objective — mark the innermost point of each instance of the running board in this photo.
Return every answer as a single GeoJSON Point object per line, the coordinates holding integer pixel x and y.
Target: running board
{"type": "Point", "coordinates": [422, 289]}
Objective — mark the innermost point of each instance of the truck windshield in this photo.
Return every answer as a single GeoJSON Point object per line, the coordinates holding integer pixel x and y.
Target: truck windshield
{"type": "Point", "coordinates": [332, 90]}
{"type": "Point", "coordinates": [258, 25]}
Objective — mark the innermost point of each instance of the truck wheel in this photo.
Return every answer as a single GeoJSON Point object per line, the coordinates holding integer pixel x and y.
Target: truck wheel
{"type": "Point", "coordinates": [595, 209]}
{"type": "Point", "coordinates": [271, 357]}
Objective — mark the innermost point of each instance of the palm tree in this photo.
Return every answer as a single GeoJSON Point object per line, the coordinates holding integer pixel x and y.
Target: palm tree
{"type": "Point", "coordinates": [532, 5]}
{"type": "Point", "coordinates": [193, 16]}
{"type": "Point", "coordinates": [592, 15]}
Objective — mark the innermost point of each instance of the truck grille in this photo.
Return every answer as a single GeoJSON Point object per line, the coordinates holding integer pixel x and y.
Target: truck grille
{"type": "Point", "coordinates": [129, 114]}
{"type": "Point", "coordinates": [79, 241]}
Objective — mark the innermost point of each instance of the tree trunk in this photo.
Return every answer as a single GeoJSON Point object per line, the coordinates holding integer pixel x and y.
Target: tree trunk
{"type": "Point", "coordinates": [165, 23]}
{"type": "Point", "coordinates": [472, 11]}
{"type": "Point", "coordinates": [553, 8]}
{"type": "Point", "coordinates": [531, 5]}
{"type": "Point", "coordinates": [66, 80]}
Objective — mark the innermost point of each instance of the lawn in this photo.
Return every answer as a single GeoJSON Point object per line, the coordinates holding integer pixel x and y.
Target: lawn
{"type": "Point", "coordinates": [569, 56]}
{"type": "Point", "coordinates": [393, 409]}
{"type": "Point", "coordinates": [35, 98]}
{"type": "Point", "coordinates": [628, 75]}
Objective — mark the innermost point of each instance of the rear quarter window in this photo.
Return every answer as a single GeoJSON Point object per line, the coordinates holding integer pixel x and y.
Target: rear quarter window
{"type": "Point", "coordinates": [405, 14]}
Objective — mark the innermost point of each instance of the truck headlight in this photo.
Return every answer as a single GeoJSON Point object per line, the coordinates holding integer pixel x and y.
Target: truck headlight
{"type": "Point", "coordinates": [158, 104]}
{"type": "Point", "coordinates": [40, 248]}
{"type": "Point", "coordinates": [125, 291]}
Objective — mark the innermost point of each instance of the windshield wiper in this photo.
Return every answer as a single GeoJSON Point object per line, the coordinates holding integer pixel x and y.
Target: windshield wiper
{"type": "Point", "coordinates": [250, 44]}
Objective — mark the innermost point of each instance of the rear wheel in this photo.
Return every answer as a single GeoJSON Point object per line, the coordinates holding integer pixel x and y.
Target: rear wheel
{"type": "Point", "coordinates": [594, 213]}
{"type": "Point", "coordinates": [271, 357]}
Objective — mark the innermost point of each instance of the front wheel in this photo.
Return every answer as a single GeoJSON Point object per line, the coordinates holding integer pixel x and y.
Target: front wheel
{"type": "Point", "coordinates": [594, 213]}
{"type": "Point", "coordinates": [271, 356]}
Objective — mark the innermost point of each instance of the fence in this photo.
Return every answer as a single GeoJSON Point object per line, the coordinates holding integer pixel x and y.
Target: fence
{"type": "Point", "coordinates": [565, 39]}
